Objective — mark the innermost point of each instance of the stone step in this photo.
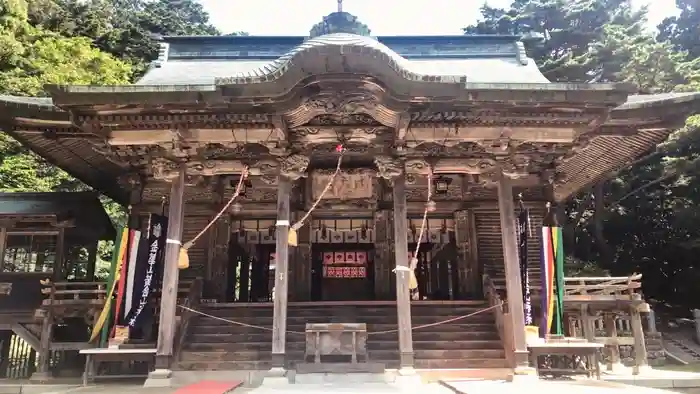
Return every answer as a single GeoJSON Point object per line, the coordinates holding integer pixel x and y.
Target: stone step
{"type": "Point", "coordinates": [262, 365]}
{"type": "Point", "coordinates": [262, 336]}
{"type": "Point", "coordinates": [374, 320]}
{"type": "Point", "coordinates": [371, 345]}
{"type": "Point", "coordinates": [374, 355]}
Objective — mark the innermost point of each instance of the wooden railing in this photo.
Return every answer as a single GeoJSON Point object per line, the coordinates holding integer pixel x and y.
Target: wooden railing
{"type": "Point", "coordinates": [73, 292]}
{"type": "Point", "coordinates": [503, 322]}
{"type": "Point", "coordinates": [193, 300]}
{"type": "Point", "coordinates": [586, 289]}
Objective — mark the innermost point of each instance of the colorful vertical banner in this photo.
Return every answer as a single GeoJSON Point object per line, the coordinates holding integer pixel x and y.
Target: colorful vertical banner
{"type": "Point", "coordinates": [133, 239]}
{"type": "Point", "coordinates": [102, 324]}
{"type": "Point", "coordinates": [523, 229]}
{"type": "Point", "coordinates": [552, 281]}
{"type": "Point", "coordinates": [143, 275]}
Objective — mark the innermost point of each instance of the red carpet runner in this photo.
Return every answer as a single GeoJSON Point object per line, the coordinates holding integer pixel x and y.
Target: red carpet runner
{"type": "Point", "coordinates": [209, 387]}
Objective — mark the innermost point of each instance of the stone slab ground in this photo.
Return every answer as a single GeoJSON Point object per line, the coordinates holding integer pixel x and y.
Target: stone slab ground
{"type": "Point", "coordinates": [548, 387]}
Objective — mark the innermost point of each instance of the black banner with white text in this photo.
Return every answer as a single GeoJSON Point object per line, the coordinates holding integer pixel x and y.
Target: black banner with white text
{"type": "Point", "coordinates": [523, 228]}
{"type": "Point", "coordinates": [144, 272]}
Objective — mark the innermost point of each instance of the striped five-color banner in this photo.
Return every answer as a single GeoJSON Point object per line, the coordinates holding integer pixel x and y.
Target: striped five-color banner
{"type": "Point", "coordinates": [552, 281]}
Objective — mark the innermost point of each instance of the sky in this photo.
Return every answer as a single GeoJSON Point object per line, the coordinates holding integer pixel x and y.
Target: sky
{"type": "Point", "coordinates": [383, 17]}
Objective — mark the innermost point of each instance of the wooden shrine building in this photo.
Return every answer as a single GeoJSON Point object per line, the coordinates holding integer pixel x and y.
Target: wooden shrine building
{"type": "Point", "coordinates": [472, 115]}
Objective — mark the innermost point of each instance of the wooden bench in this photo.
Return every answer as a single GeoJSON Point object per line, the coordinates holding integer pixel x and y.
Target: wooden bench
{"type": "Point", "coordinates": [95, 356]}
{"type": "Point", "coordinates": [570, 352]}
{"type": "Point", "coordinates": [336, 339]}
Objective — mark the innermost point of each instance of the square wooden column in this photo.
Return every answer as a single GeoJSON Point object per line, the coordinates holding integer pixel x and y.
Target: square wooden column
{"type": "Point", "coordinates": [468, 272]}
{"type": "Point", "coordinates": [506, 208]}
{"type": "Point", "coordinates": [168, 302]}
{"type": "Point", "coordinates": [281, 289]}
{"type": "Point", "coordinates": [300, 262]}
{"type": "Point", "coordinates": [403, 297]}
{"type": "Point", "coordinates": [384, 256]}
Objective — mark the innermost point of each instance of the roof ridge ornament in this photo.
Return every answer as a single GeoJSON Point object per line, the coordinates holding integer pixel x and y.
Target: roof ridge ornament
{"type": "Point", "coordinates": [339, 22]}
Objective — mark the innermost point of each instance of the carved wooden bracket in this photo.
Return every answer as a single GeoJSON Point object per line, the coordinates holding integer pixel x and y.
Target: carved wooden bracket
{"type": "Point", "coordinates": [450, 166]}
{"type": "Point", "coordinates": [294, 166]}
{"type": "Point", "coordinates": [164, 169]}
{"type": "Point", "coordinates": [341, 106]}
{"type": "Point", "coordinates": [514, 166]}
{"type": "Point", "coordinates": [388, 168]}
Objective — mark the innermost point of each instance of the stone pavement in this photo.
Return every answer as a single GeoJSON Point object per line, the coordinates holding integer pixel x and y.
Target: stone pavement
{"type": "Point", "coordinates": [364, 388]}
{"type": "Point", "coordinates": [586, 386]}
{"type": "Point", "coordinates": [549, 387]}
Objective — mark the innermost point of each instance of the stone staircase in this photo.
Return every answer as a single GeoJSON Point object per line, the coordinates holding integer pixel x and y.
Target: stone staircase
{"type": "Point", "coordinates": [472, 342]}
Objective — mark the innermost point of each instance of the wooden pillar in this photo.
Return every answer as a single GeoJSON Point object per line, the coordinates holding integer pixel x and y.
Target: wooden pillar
{"type": "Point", "coordinates": [3, 243]}
{"type": "Point", "coordinates": [465, 272]}
{"type": "Point", "coordinates": [42, 373]}
{"type": "Point", "coordinates": [217, 274]}
{"type": "Point", "coordinates": [92, 261]}
{"type": "Point", "coordinates": [168, 302]}
{"type": "Point", "coordinates": [384, 255]}
{"type": "Point", "coordinates": [506, 208]}
{"type": "Point", "coordinates": [281, 289]}
{"type": "Point", "coordinates": [42, 366]}
{"type": "Point", "coordinates": [651, 321]}
{"type": "Point", "coordinates": [5, 338]}
{"type": "Point", "coordinates": [217, 270]}
{"type": "Point", "coordinates": [640, 347]}
{"type": "Point", "coordinates": [301, 263]}
{"type": "Point", "coordinates": [613, 345]}
{"type": "Point", "coordinates": [403, 297]}
{"type": "Point", "coordinates": [58, 268]}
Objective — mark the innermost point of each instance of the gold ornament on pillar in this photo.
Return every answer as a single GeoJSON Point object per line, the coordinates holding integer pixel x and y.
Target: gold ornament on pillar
{"type": "Point", "coordinates": [183, 261]}
{"type": "Point", "coordinates": [292, 238]}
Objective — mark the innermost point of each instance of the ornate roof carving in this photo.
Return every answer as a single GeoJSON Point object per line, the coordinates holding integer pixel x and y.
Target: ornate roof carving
{"type": "Point", "coordinates": [329, 46]}
{"type": "Point", "coordinates": [339, 22]}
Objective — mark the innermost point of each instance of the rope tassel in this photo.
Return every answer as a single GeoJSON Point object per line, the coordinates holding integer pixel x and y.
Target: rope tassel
{"type": "Point", "coordinates": [292, 238]}
{"type": "Point", "coordinates": [183, 261]}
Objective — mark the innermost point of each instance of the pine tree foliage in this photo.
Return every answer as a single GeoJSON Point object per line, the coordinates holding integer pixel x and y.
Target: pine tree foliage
{"type": "Point", "coordinates": [643, 218]}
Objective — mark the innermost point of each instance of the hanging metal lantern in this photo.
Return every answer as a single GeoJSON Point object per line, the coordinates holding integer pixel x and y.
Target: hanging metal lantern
{"type": "Point", "coordinates": [431, 206]}
{"type": "Point", "coordinates": [236, 207]}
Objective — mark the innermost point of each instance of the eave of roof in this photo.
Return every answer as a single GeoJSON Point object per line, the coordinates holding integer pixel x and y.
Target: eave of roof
{"type": "Point", "coordinates": [84, 207]}
{"type": "Point", "coordinates": [654, 115]}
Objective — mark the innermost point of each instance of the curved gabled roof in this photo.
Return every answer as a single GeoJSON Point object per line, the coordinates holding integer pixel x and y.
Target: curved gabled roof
{"type": "Point", "coordinates": [493, 60]}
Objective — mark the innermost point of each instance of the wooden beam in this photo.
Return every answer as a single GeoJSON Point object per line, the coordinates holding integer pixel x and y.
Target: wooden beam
{"type": "Point", "coordinates": [43, 374]}
{"type": "Point", "coordinates": [640, 346]}
{"type": "Point", "coordinates": [614, 345]}
{"type": "Point", "coordinates": [168, 301]}
{"type": "Point", "coordinates": [279, 319]}
{"type": "Point", "coordinates": [506, 208]}
{"type": "Point", "coordinates": [403, 297]}
{"type": "Point", "coordinates": [3, 244]}
{"type": "Point", "coordinates": [92, 260]}
{"type": "Point", "coordinates": [60, 251]}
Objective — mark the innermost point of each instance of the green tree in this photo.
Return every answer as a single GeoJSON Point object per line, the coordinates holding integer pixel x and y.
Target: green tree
{"type": "Point", "coordinates": [643, 218]}
{"type": "Point", "coordinates": [558, 32]}
{"type": "Point", "coordinates": [683, 31]}
{"type": "Point", "coordinates": [128, 29]}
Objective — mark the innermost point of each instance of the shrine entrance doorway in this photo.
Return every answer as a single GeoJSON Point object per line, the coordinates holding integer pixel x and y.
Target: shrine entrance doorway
{"type": "Point", "coordinates": [342, 266]}
{"type": "Point", "coordinates": [251, 266]}
{"type": "Point", "coordinates": [342, 272]}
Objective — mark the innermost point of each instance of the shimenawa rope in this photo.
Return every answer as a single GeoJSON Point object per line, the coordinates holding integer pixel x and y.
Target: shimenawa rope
{"type": "Point", "coordinates": [450, 320]}
{"type": "Point", "coordinates": [292, 239]}
{"type": "Point", "coordinates": [184, 259]}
